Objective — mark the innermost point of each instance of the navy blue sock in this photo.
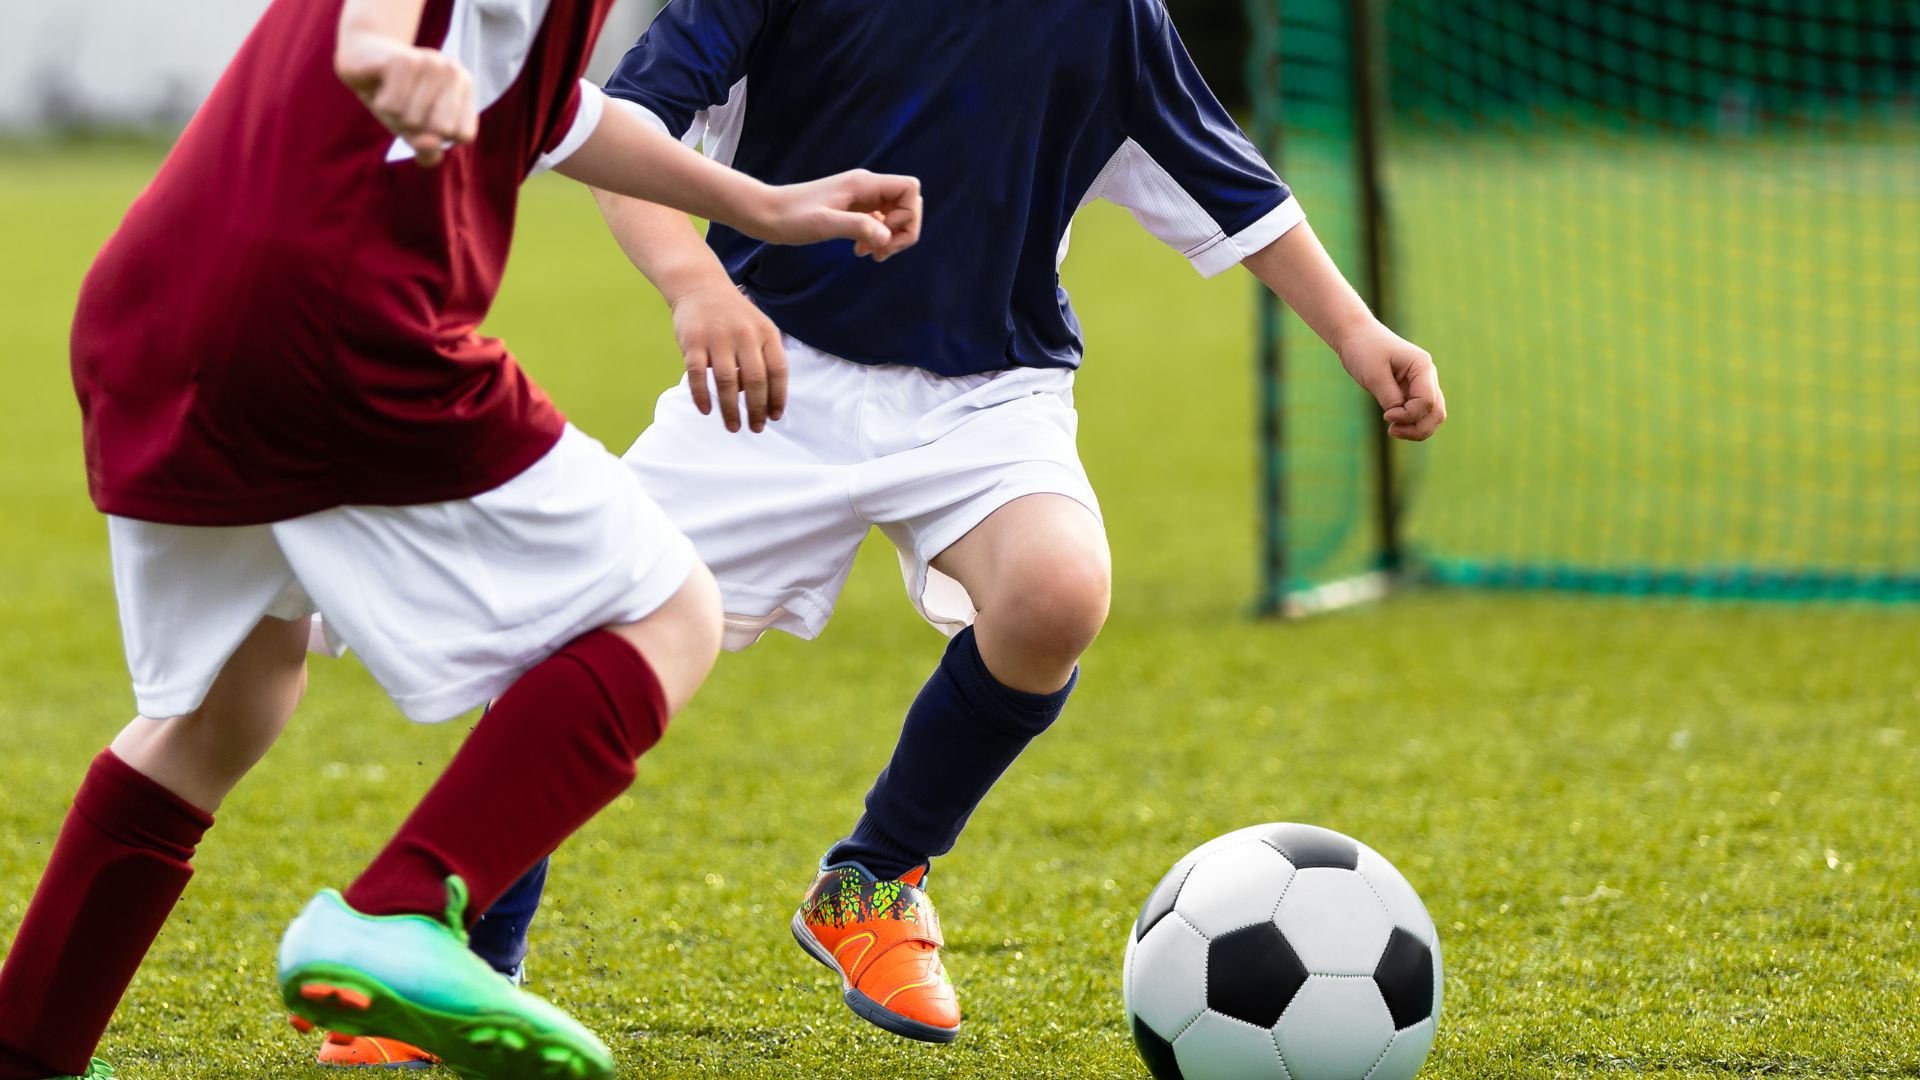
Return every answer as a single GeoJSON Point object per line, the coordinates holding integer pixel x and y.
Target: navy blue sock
{"type": "Point", "coordinates": [500, 937]}
{"type": "Point", "coordinates": [961, 734]}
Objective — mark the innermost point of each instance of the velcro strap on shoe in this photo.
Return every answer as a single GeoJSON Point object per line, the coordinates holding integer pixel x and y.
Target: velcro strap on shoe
{"type": "Point", "coordinates": [916, 911]}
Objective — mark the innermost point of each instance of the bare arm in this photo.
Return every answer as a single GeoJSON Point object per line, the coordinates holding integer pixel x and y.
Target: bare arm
{"type": "Point", "coordinates": [718, 330]}
{"type": "Point", "coordinates": [1399, 374]}
{"type": "Point", "coordinates": [663, 245]}
{"type": "Point", "coordinates": [422, 95]}
{"type": "Point", "coordinates": [627, 156]}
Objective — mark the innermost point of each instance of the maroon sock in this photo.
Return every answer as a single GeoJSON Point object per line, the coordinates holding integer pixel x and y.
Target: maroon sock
{"type": "Point", "coordinates": [122, 860]}
{"type": "Point", "coordinates": [555, 749]}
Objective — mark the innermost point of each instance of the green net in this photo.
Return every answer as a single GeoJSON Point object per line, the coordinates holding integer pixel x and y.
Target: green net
{"type": "Point", "coordinates": [1668, 255]}
{"type": "Point", "coordinates": [1324, 523]}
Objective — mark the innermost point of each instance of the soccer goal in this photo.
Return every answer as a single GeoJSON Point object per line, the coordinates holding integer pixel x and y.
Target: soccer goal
{"type": "Point", "coordinates": [1667, 255]}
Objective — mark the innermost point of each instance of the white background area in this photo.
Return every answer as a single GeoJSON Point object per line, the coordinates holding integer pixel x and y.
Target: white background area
{"type": "Point", "coordinates": [149, 63]}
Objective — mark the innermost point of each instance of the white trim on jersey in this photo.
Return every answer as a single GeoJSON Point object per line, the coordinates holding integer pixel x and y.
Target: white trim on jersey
{"type": "Point", "coordinates": [1156, 200]}
{"type": "Point", "coordinates": [492, 40]}
{"type": "Point", "coordinates": [719, 127]}
{"type": "Point", "coordinates": [586, 120]}
{"type": "Point", "coordinates": [1231, 251]}
{"type": "Point", "coordinates": [715, 130]}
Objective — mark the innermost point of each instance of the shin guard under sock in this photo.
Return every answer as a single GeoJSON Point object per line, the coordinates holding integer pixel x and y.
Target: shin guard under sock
{"type": "Point", "coordinates": [961, 735]}
{"type": "Point", "coordinates": [123, 857]}
{"type": "Point", "coordinates": [556, 748]}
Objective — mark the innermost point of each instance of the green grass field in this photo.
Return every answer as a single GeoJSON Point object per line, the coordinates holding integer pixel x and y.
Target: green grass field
{"type": "Point", "coordinates": [1659, 839]}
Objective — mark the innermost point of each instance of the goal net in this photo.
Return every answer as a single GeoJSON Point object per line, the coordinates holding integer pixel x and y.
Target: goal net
{"type": "Point", "coordinates": [1667, 255]}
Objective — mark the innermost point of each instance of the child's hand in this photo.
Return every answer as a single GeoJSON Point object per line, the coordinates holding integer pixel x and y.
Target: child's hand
{"type": "Point", "coordinates": [880, 213]}
{"type": "Point", "coordinates": [721, 331]}
{"type": "Point", "coordinates": [1400, 376]}
{"type": "Point", "coordinates": [422, 95]}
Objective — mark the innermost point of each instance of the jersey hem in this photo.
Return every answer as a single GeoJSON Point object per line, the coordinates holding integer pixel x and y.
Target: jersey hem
{"type": "Point", "coordinates": [791, 322]}
{"type": "Point", "coordinates": [177, 506]}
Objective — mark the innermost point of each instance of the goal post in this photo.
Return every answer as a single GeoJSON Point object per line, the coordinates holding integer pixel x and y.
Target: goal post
{"type": "Point", "coordinates": [1668, 258]}
{"type": "Point", "coordinates": [1329, 499]}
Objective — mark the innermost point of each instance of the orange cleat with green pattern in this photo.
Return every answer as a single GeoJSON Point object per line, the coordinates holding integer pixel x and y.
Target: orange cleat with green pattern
{"type": "Point", "coordinates": [883, 938]}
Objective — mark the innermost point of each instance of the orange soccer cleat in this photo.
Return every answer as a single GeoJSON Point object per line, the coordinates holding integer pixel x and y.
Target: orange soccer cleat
{"type": "Point", "coordinates": [883, 937]}
{"type": "Point", "coordinates": [341, 1051]}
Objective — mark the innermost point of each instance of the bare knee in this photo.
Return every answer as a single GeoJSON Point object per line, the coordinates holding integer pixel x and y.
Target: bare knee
{"type": "Point", "coordinates": [681, 639]}
{"type": "Point", "coordinates": [1040, 576]}
{"type": "Point", "coordinates": [202, 755]}
{"type": "Point", "coordinates": [1052, 608]}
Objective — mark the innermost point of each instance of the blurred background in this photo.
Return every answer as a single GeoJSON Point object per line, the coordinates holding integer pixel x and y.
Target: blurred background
{"type": "Point", "coordinates": [67, 64]}
{"type": "Point", "coordinates": [1652, 225]}
{"type": "Point", "coordinates": [133, 65]}
{"type": "Point", "coordinates": [73, 64]}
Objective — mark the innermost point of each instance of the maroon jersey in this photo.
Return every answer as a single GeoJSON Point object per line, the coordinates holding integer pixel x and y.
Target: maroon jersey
{"type": "Point", "coordinates": [286, 320]}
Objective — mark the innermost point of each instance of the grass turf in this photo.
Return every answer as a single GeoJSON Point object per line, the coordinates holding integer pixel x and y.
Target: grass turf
{"type": "Point", "coordinates": [1659, 839]}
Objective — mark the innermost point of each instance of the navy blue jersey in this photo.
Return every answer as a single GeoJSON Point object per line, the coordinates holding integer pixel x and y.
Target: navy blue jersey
{"type": "Point", "coordinates": [1013, 113]}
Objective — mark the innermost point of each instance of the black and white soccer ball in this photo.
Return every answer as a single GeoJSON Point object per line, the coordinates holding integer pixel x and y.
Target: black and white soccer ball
{"type": "Point", "coordinates": [1283, 952]}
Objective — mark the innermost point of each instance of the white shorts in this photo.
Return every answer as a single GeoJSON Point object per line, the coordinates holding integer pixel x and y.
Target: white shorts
{"type": "Point", "coordinates": [447, 603]}
{"type": "Point", "coordinates": [779, 516]}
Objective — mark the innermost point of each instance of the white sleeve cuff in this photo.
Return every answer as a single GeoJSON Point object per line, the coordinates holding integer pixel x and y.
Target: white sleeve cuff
{"type": "Point", "coordinates": [1226, 252]}
{"type": "Point", "coordinates": [586, 120]}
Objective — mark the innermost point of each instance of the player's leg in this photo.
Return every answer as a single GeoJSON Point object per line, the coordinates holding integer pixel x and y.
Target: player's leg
{"type": "Point", "coordinates": [566, 598]}
{"type": "Point", "coordinates": [500, 936]}
{"type": "Point", "coordinates": [202, 756]}
{"type": "Point", "coordinates": [768, 513]}
{"type": "Point", "coordinates": [1038, 571]}
{"type": "Point", "coordinates": [125, 854]}
{"type": "Point", "coordinates": [567, 735]}
{"type": "Point", "coordinates": [982, 491]}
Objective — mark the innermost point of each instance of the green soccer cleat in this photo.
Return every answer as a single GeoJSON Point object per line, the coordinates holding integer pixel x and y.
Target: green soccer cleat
{"type": "Point", "coordinates": [411, 977]}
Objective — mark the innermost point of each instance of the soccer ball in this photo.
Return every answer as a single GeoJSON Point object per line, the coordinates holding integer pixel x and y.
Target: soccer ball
{"type": "Point", "coordinates": [1283, 952]}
